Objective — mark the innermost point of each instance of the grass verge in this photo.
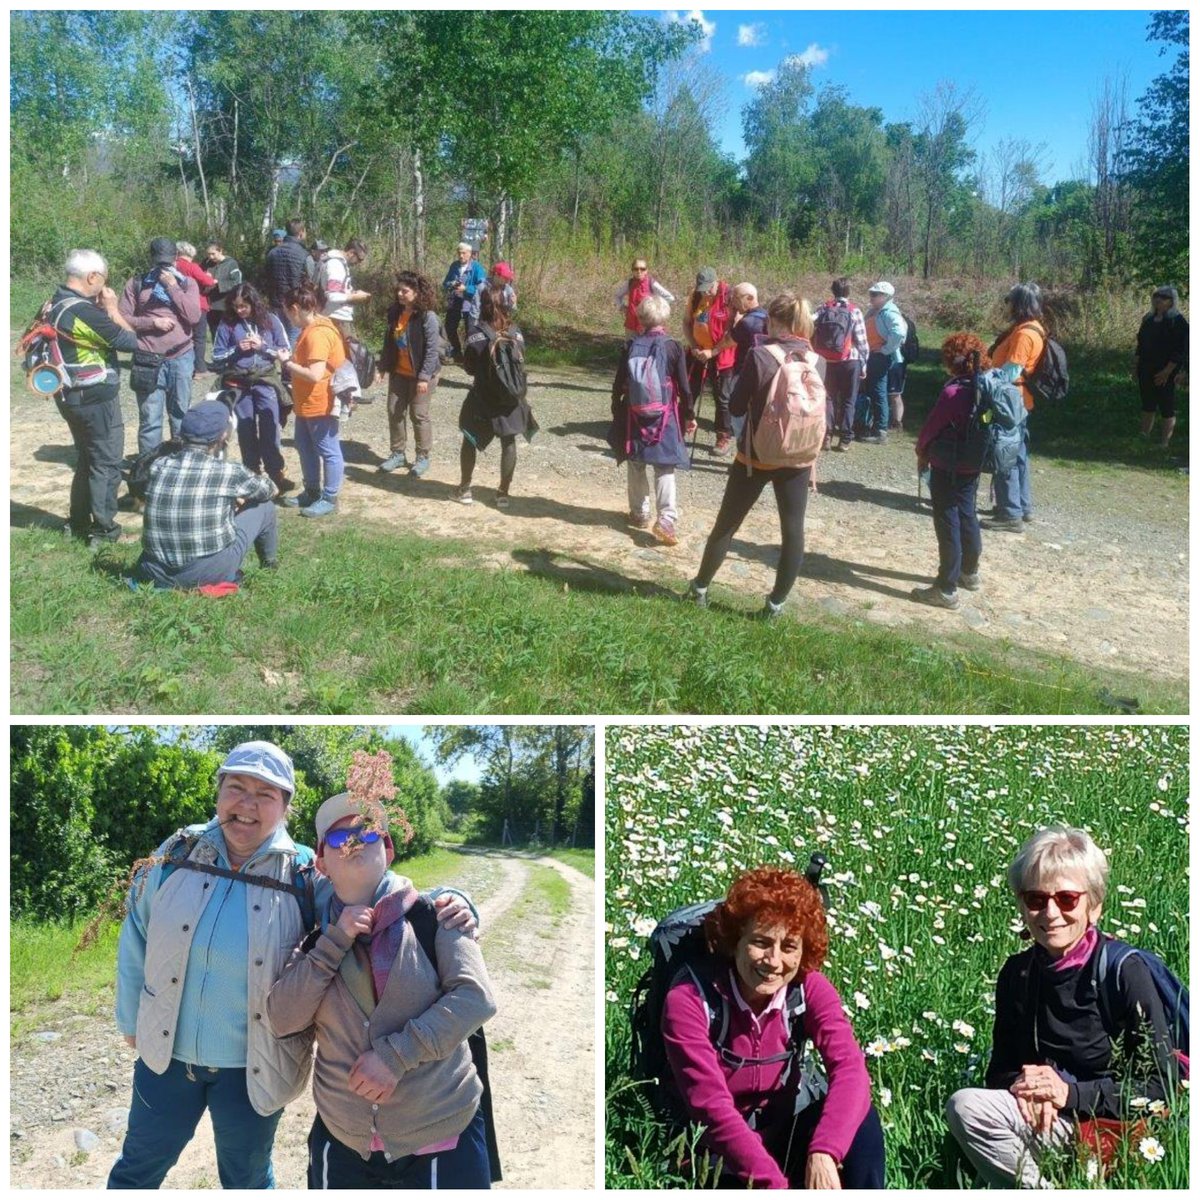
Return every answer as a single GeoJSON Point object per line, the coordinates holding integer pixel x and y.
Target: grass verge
{"type": "Point", "coordinates": [366, 621]}
{"type": "Point", "coordinates": [583, 861]}
{"type": "Point", "coordinates": [44, 968]}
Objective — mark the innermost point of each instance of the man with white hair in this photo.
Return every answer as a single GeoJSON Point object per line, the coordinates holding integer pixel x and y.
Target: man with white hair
{"type": "Point", "coordinates": [462, 285]}
{"type": "Point", "coordinates": [84, 311]}
{"type": "Point", "coordinates": [749, 327]}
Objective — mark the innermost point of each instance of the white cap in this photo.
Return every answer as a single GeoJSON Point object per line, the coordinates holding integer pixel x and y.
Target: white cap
{"type": "Point", "coordinates": [882, 288]}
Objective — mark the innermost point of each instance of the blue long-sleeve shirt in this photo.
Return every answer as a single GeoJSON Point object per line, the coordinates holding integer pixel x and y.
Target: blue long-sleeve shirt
{"type": "Point", "coordinates": [472, 276]}
{"type": "Point", "coordinates": [892, 327]}
{"type": "Point", "coordinates": [225, 345]}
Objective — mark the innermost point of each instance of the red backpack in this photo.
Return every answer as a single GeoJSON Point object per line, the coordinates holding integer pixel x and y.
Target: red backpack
{"type": "Point", "coordinates": [833, 331]}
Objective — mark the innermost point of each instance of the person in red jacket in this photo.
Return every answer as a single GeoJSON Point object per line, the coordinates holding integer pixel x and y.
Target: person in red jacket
{"type": "Point", "coordinates": [768, 940]}
{"type": "Point", "coordinates": [633, 291]}
{"type": "Point", "coordinates": [709, 315]}
{"type": "Point", "coordinates": [185, 264]}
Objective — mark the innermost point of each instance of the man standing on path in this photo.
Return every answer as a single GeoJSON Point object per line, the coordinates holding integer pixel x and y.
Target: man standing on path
{"type": "Point", "coordinates": [885, 336]}
{"type": "Point", "coordinates": [844, 369]}
{"type": "Point", "coordinates": [163, 308]}
{"type": "Point", "coordinates": [288, 265]}
{"type": "Point", "coordinates": [85, 312]}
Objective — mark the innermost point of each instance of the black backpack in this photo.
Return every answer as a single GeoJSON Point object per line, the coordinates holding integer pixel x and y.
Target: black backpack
{"type": "Point", "coordinates": [503, 383]}
{"type": "Point", "coordinates": [910, 348]}
{"type": "Point", "coordinates": [1051, 380]}
{"type": "Point", "coordinates": [363, 360]}
{"type": "Point", "coordinates": [833, 331]}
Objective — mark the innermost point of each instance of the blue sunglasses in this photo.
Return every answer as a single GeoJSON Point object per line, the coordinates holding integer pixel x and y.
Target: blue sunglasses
{"type": "Point", "coordinates": [337, 838]}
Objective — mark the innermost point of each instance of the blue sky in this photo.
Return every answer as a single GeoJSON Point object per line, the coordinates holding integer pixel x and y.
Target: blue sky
{"type": "Point", "coordinates": [466, 768]}
{"type": "Point", "coordinates": [1042, 88]}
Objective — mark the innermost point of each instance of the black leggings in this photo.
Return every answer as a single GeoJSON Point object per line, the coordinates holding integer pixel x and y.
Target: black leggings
{"type": "Point", "coordinates": [741, 492]}
{"type": "Point", "coordinates": [508, 461]}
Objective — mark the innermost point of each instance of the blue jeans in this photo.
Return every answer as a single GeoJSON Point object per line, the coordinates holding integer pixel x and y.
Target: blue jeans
{"type": "Point", "coordinates": [163, 1117]}
{"type": "Point", "coordinates": [956, 525]}
{"type": "Point", "coordinates": [872, 410]}
{"type": "Point", "coordinates": [257, 412]}
{"type": "Point", "coordinates": [173, 390]}
{"type": "Point", "coordinates": [1014, 498]}
{"type": "Point", "coordinates": [332, 1165]}
{"type": "Point", "coordinates": [317, 443]}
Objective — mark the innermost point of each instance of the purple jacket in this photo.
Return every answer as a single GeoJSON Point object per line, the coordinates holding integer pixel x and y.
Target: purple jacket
{"type": "Point", "coordinates": [952, 409]}
{"type": "Point", "coordinates": [720, 1096]}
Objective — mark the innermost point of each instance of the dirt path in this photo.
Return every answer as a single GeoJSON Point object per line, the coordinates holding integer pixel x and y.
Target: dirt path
{"type": "Point", "coordinates": [544, 1094]}
{"type": "Point", "coordinates": [1101, 577]}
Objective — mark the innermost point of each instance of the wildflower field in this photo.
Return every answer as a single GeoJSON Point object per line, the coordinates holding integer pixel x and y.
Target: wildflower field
{"type": "Point", "coordinates": [919, 825]}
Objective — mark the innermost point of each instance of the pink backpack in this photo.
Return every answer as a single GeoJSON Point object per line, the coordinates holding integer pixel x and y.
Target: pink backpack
{"type": "Point", "coordinates": [792, 427]}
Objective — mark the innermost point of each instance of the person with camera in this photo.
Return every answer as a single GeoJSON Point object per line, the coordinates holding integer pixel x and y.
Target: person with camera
{"type": "Point", "coordinates": [246, 351]}
{"type": "Point", "coordinates": [85, 312]}
{"type": "Point", "coordinates": [464, 285]}
{"type": "Point", "coordinates": [204, 513]}
{"type": "Point", "coordinates": [163, 308]}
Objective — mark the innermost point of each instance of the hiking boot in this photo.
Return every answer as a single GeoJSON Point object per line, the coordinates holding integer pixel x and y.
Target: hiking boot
{"type": "Point", "coordinates": [825, 445]}
{"type": "Point", "coordinates": [394, 462]}
{"type": "Point", "coordinates": [306, 497]}
{"type": "Point", "coordinates": [841, 446]}
{"type": "Point", "coordinates": [1027, 518]}
{"type": "Point", "coordinates": [501, 499]}
{"type": "Point", "coordinates": [283, 483]}
{"type": "Point", "coordinates": [639, 520]}
{"type": "Point", "coordinates": [935, 597]}
{"type": "Point", "coordinates": [697, 595]}
{"type": "Point", "coordinates": [420, 466]}
{"type": "Point", "coordinates": [970, 582]}
{"type": "Point", "coordinates": [770, 611]}
{"type": "Point", "coordinates": [723, 444]}
{"type": "Point", "coordinates": [1006, 525]}
{"type": "Point", "coordinates": [319, 508]}
{"type": "Point", "coordinates": [463, 495]}
{"type": "Point", "coordinates": [877, 438]}
{"type": "Point", "coordinates": [664, 532]}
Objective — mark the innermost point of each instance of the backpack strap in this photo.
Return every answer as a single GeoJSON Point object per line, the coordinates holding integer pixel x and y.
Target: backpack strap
{"type": "Point", "coordinates": [1109, 961]}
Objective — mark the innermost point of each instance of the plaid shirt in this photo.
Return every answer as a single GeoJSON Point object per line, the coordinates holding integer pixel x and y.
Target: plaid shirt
{"type": "Point", "coordinates": [190, 505]}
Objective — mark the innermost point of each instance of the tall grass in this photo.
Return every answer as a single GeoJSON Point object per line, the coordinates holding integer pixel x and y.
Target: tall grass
{"type": "Point", "coordinates": [918, 824]}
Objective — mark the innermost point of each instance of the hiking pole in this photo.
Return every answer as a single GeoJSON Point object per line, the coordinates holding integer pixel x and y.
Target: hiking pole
{"type": "Point", "coordinates": [696, 419]}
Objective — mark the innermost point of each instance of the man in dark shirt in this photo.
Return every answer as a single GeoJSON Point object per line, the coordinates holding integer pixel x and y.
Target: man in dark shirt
{"type": "Point", "coordinates": [84, 310]}
{"type": "Point", "coordinates": [288, 265]}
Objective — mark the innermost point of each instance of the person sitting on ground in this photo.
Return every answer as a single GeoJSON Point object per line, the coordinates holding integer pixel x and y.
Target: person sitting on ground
{"type": "Point", "coordinates": [246, 351]}
{"type": "Point", "coordinates": [465, 282]}
{"type": "Point", "coordinates": [768, 940]}
{"type": "Point", "coordinates": [1161, 357]}
{"type": "Point", "coordinates": [1017, 352]}
{"type": "Point", "coordinates": [397, 1093]}
{"type": "Point", "coordinates": [484, 414]}
{"type": "Point", "coordinates": [952, 488]}
{"type": "Point", "coordinates": [633, 291]}
{"type": "Point", "coordinates": [203, 513]}
{"type": "Point", "coordinates": [708, 316]}
{"type": "Point", "coordinates": [1060, 1055]}
{"type": "Point", "coordinates": [789, 324]}
{"type": "Point", "coordinates": [652, 434]}
{"type": "Point", "coordinates": [842, 375]}
{"type": "Point", "coordinates": [185, 263]}
{"type": "Point", "coordinates": [162, 307]}
{"type": "Point", "coordinates": [84, 309]}
{"type": "Point", "coordinates": [320, 350]}
{"type": "Point", "coordinates": [885, 336]}
{"type": "Point", "coordinates": [411, 359]}
{"type": "Point", "coordinates": [502, 277]}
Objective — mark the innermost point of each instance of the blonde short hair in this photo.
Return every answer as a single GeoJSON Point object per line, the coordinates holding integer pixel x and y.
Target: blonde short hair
{"type": "Point", "coordinates": [653, 312]}
{"type": "Point", "coordinates": [1059, 850]}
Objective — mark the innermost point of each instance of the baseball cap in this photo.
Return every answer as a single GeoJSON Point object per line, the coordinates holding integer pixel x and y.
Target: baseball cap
{"type": "Point", "coordinates": [882, 288]}
{"type": "Point", "coordinates": [263, 760]}
{"type": "Point", "coordinates": [163, 251]}
{"type": "Point", "coordinates": [335, 809]}
{"type": "Point", "coordinates": [202, 424]}
{"type": "Point", "coordinates": [706, 277]}
{"type": "Point", "coordinates": [504, 271]}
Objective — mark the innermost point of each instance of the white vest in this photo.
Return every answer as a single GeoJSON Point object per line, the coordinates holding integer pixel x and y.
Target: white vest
{"type": "Point", "coordinates": [277, 1069]}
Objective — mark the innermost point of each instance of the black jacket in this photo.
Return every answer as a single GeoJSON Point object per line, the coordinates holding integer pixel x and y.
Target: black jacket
{"type": "Point", "coordinates": [423, 343]}
{"type": "Point", "coordinates": [1160, 343]}
{"type": "Point", "coordinates": [288, 264]}
{"type": "Point", "coordinates": [1048, 1016]}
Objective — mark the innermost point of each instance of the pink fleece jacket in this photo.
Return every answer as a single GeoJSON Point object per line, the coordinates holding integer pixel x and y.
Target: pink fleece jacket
{"type": "Point", "coordinates": [721, 1097]}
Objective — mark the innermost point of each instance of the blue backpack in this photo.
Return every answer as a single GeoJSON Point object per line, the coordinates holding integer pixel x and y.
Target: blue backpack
{"type": "Point", "coordinates": [1172, 993]}
{"type": "Point", "coordinates": [995, 428]}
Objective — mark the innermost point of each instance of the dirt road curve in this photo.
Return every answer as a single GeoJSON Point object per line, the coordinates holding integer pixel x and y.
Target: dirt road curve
{"type": "Point", "coordinates": [542, 1060]}
{"type": "Point", "coordinates": [1100, 577]}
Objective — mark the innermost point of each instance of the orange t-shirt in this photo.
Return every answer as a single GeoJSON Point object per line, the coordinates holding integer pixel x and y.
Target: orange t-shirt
{"type": "Point", "coordinates": [320, 342]}
{"type": "Point", "coordinates": [701, 331]}
{"type": "Point", "coordinates": [404, 362]}
{"type": "Point", "coordinates": [1022, 345]}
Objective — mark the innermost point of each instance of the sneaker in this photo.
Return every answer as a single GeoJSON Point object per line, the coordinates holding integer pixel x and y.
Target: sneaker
{"type": "Point", "coordinates": [639, 520]}
{"type": "Point", "coordinates": [501, 499]}
{"type": "Point", "coordinates": [420, 466]}
{"type": "Point", "coordinates": [770, 611]}
{"type": "Point", "coordinates": [394, 462]}
{"type": "Point", "coordinates": [319, 508]}
{"type": "Point", "coordinates": [841, 446]}
{"type": "Point", "coordinates": [935, 596]}
{"type": "Point", "coordinates": [664, 532]}
{"type": "Point", "coordinates": [825, 445]}
{"type": "Point", "coordinates": [723, 444]}
{"type": "Point", "coordinates": [463, 495]}
{"type": "Point", "coordinates": [268, 564]}
{"type": "Point", "coordinates": [303, 500]}
{"type": "Point", "coordinates": [697, 595]}
{"type": "Point", "coordinates": [1006, 525]}
{"type": "Point", "coordinates": [1027, 518]}
{"type": "Point", "coordinates": [874, 439]}
{"type": "Point", "coordinates": [970, 582]}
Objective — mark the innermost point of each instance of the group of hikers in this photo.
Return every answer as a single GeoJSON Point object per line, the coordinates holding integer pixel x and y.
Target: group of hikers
{"type": "Point", "coordinates": [787, 380]}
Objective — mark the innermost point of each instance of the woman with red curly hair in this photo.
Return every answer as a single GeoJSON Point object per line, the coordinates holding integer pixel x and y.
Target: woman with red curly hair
{"type": "Point", "coordinates": [952, 487]}
{"type": "Point", "coordinates": [744, 1084]}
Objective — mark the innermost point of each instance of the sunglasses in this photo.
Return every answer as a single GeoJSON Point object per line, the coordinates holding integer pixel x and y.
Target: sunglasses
{"type": "Point", "coordinates": [640, 269]}
{"type": "Point", "coordinates": [1037, 901]}
{"type": "Point", "coordinates": [337, 838]}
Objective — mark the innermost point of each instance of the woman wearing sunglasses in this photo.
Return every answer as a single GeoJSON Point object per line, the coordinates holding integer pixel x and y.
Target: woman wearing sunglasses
{"type": "Point", "coordinates": [1058, 1056]}
{"type": "Point", "coordinates": [211, 922]}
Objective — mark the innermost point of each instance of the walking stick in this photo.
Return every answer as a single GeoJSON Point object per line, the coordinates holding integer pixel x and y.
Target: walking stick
{"type": "Point", "coordinates": [696, 417]}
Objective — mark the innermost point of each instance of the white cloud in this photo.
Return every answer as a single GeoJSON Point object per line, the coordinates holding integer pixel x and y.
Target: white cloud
{"type": "Point", "coordinates": [751, 35]}
{"type": "Point", "coordinates": [754, 79]}
{"type": "Point", "coordinates": [696, 16]}
{"type": "Point", "coordinates": [813, 56]}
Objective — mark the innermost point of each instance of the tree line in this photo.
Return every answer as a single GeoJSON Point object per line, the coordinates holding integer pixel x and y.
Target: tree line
{"type": "Point", "coordinates": [583, 131]}
{"type": "Point", "coordinates": [86, 802]}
